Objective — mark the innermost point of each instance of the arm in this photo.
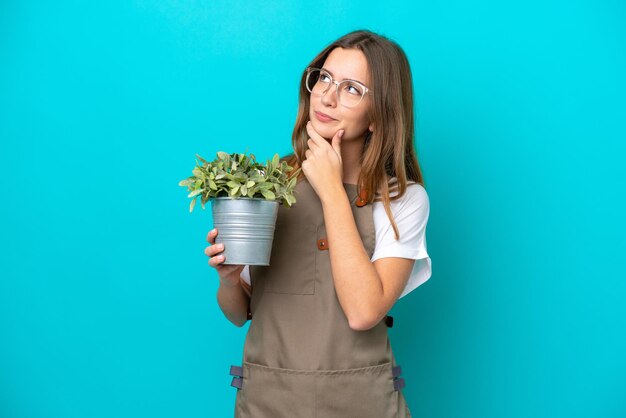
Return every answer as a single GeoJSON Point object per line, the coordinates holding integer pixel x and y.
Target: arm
{"type": "Point", "coordinates": [231, 296]}
{"type": "Point", "coordinates": [234, 301]}
{"type": "Point", "coordinates": [366, 290]}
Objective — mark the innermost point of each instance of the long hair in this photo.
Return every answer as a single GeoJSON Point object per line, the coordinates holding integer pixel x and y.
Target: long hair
{"type": "Point", "coordinates": [388, 151]}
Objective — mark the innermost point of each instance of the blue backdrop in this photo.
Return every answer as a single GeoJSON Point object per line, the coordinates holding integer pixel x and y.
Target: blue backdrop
{"type": "Point", "coordinates": [107, 304]}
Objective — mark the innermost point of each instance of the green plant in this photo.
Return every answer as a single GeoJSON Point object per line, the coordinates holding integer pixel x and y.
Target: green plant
{"type": "Point", "coordinates": [240, 176]}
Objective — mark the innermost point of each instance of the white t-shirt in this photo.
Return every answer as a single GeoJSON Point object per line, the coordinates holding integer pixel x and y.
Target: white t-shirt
{"type": "Point", "coordinates": [411, 215]}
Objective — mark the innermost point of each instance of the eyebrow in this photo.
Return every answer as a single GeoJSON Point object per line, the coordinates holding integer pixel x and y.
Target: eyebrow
{"type": "Point", "coordinates": [349, 79]}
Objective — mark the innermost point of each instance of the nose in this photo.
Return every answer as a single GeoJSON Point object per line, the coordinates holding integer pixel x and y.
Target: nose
{"type": "Point", "coordinates": [330, 97]}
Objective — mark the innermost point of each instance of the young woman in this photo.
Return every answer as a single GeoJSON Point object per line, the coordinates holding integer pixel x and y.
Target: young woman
{"type": "Point", "coordinates": [350, 247]}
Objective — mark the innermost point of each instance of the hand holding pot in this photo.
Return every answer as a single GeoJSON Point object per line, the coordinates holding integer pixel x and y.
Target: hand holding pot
{"type": "Point", "coordinates": [229, 274]}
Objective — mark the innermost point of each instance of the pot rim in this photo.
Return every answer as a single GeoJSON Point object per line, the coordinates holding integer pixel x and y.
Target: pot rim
{"type": "Point", "coordinates": [243, 198]}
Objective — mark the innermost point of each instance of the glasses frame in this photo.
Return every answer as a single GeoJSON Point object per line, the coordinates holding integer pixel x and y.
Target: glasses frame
{"type": "Point", "coordinates": [309, 70]}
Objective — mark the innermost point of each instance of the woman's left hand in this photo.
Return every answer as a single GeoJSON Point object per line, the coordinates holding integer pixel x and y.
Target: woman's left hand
{"type": "Point", "coordinates": [323, 166]}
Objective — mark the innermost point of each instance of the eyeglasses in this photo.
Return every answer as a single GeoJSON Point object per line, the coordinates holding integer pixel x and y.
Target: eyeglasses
{"type": "Point", "coordinates": [349, 92]}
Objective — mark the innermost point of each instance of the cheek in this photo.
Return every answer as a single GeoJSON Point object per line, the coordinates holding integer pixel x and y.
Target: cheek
{"type": "Point", "coordinates": [314, 102]}
{"type": "Point", "coordinates": [359, 122]}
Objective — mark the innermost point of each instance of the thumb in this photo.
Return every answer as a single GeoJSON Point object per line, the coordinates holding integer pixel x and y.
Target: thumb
{"type": "Point", "coordinates": [336, 143]}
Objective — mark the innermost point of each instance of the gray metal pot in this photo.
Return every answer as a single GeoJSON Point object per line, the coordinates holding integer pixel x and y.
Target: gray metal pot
{"type": "Point", "coordinates": [246, 228]}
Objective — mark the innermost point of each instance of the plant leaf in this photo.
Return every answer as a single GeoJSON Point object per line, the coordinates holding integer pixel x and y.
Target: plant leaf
{"type": "Point", "coordinates": [268, 194]}
{"type": "Point", "coordinates": [201, 159]}
{"type": "Point", "coordinates": [195, 193]}
{"type": "Point", "coordinates": [198, 173]}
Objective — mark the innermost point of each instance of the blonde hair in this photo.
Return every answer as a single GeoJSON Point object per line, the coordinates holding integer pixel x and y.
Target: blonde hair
{"type": "Point", "coordinates": [388, 151]}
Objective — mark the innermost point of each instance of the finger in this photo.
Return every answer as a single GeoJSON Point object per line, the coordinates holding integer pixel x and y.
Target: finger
{"type": "Point", "coordinates": [319, 140]}
{"type": "Point", "coordinates": [211, 235]}
{"type": "Point", "coordinates": [312, 144]}
{"type": "Point", "coordinates": [307, 153]}
{"type": "Point", "coordinates": [336, 143]}
{"type": "Point", "coordinates": [215, 261]}
{"type": "Point", "coordinates": [214, 249]}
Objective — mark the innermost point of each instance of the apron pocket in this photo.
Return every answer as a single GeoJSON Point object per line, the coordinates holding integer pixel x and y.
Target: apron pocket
{"type": "Point", "coordinates": [270, 392]}
{"type": "Point", "coordinates": [292, 263]}
{"type": "Point", "coordinates": [356, 393]}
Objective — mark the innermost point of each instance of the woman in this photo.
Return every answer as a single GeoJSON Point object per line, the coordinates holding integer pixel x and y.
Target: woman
{"type": "Point", "coordinates": [342, 256]}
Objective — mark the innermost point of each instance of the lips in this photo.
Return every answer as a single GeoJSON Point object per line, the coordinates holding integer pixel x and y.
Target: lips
{"type": "Point", "coordinates": [323, 117]}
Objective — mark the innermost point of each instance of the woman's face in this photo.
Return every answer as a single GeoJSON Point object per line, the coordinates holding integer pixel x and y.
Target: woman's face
{"type": "Point", "coordinates": [342, 64]}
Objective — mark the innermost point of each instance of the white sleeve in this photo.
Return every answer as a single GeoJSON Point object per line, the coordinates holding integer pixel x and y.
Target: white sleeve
{"type": "Point", "coordinates": [410, 213]}
{"type": "Point", "coordinates": [245, 274]}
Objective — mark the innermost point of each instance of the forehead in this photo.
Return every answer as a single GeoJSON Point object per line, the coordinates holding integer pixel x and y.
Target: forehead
{"type": "Point", "coordinates": [347, 64]}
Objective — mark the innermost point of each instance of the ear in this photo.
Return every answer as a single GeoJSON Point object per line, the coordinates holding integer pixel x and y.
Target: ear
{"type": "Point", "coordinates": [371, 127]}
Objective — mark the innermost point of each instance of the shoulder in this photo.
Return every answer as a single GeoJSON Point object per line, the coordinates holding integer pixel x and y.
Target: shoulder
{"type": "Point", "coordinates": [409, 211]}
{"type": "Point", "coordinates": [415, 195]}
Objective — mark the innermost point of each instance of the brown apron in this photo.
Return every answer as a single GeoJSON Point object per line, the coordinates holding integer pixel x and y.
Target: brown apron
{"type": "Point", "coordinates": [301, 358]}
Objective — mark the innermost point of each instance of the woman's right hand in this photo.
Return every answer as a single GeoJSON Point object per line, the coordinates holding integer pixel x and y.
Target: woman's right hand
{"type": "Point", "coordinates": [229, 274]}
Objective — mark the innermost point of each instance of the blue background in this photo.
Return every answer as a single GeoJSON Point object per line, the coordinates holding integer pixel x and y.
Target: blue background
{"type": "Point", "coordinates": [107, 304]}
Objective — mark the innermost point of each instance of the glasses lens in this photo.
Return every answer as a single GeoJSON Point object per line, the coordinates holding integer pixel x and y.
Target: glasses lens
{"type": "Point", "coordinates": [317, 81]}
{"type": "Point", "coordinates": [350, 93]}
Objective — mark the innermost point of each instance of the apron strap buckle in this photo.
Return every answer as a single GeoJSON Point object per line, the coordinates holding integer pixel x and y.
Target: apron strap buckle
{"type": "Point", "coordinates": [237, 372]}
{"type": "Point", "coordinates": [398, 382]}
{"type": "Point", "coordinates": [237, 382]}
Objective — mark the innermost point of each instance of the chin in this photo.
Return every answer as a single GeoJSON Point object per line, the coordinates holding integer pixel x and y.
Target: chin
{"type": "Point", "coordinates": [324, 130]}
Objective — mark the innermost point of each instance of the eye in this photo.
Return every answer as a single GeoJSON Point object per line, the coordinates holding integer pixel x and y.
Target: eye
{"type": "Point", "coordinates": [325, 77]}
{"type": "Point", "coordinates": [353, 88]}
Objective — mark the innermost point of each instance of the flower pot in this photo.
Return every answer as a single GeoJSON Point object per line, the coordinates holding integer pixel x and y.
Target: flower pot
{"type": "Point", "coordinates": [246, 228]}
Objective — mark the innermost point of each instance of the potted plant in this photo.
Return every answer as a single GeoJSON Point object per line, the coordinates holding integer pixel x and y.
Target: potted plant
{"type": "Point", "coordinates": [244, 198]}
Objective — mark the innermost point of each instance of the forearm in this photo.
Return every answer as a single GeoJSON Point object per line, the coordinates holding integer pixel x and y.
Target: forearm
{"type": "Point", "coordinates": [234, 302]}
{"type": "Point", "coordinates": [358, 287]}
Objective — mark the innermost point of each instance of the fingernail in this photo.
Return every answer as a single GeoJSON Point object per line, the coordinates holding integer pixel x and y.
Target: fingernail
{"type": "Point", "coordinates": [220, 246]}
{"type": "Point", "coordinates": [341, 133]}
